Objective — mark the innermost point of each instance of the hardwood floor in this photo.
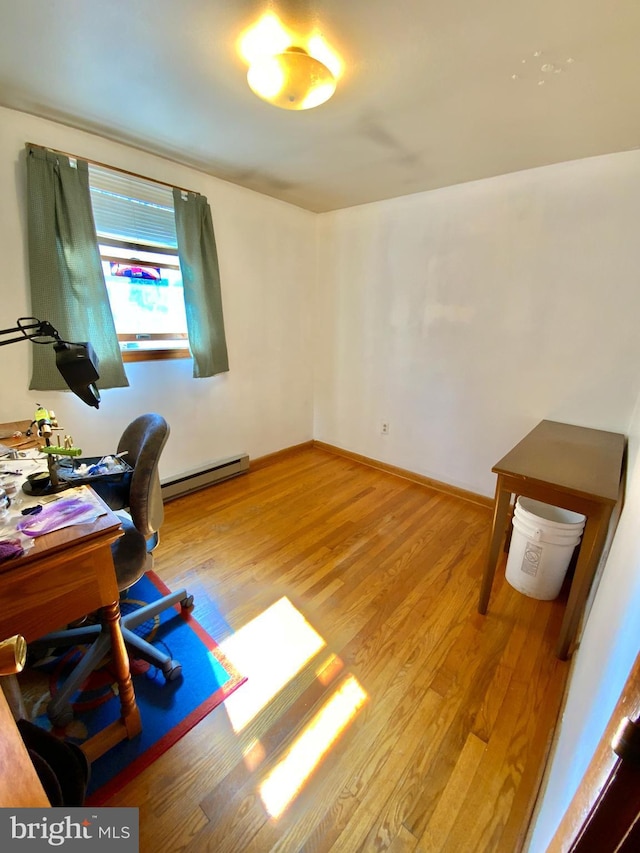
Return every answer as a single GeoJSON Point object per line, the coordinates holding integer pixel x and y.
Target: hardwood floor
{"type": "Point", "coordinates": [360, 591]}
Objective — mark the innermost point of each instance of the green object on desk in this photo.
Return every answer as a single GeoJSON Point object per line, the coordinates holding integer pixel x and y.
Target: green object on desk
{"type": "Point", "coordinates": [61, 451]}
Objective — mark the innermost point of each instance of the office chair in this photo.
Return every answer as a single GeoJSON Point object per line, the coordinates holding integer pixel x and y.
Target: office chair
{"type": "Point", "coordinates": [144, 440]}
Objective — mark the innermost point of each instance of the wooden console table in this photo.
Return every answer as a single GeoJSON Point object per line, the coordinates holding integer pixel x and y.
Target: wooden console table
{"type": "Point", "coordinates": [572, 467]}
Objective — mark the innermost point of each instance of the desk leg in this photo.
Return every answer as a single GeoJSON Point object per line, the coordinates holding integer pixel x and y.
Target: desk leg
{"type": "Point", "coordinates": [595, 531]}
{"type": "Point", "coordinates": [11, 689]}
{"type": "Point", "coordinates": [120, 658]}
{"type": "Point", "coordinates": [501, 508]}
{"type": "Point", "coordinates": [129, 724]}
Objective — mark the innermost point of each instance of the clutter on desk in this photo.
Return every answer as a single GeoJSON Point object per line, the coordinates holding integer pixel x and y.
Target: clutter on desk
{"type": "Point", "coordinates": [45, 423]}
{"type": "Point", "coordinates": [9, 484]}
{"type": "Point", "coordinates": [5, 502]}
{"type": "Point", "coordinates": [13, 543]}
{"type": "Point", "coordinates": [39, 481]}
{"type": "Point", "coordinates": [29, 516]}
{"type": "Point", "coordinates": [62, 513]}
{"type": "Point", "coordinates": [55, 465]}
{"type": "Point", "coordinates": [13, 473]}
{"type": "Point", "coordinates": [31, 510]}
{"type": "Point", "coordinates": [12, 499]}
{"type": "Point", "coordinates": [10, 548]}
{"type": "Point", "coordinates": [91, 468]}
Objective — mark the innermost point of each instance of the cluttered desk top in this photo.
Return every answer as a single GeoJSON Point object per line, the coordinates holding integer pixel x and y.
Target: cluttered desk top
{"type": "Point", "coordinates": [33, 523]}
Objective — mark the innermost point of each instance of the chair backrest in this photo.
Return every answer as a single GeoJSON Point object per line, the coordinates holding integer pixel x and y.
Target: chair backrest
{"type": "Point", "coordinates": [144, 440]}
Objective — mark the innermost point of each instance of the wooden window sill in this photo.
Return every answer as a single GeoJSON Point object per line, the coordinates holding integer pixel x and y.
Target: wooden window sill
{"type": "Point", "coordinates": [154, 354]}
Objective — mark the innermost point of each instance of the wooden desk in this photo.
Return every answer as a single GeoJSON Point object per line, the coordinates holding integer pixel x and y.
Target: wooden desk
{"type": "Point", "coordinates": [572, 467]}
{"type": "Point", "coordinates": [65, 575]}
{"type": "Point", "coordinates": [19, 782]}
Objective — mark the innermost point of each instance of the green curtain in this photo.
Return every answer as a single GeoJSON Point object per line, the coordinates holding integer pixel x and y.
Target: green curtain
{"type": "Point", "coordinates": [67, 284]}
{"type": "Point", "coordinates": [201, 281]}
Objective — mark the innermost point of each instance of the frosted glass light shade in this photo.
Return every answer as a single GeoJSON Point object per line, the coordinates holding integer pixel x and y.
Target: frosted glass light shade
{"type": "Point", "coordinates": [292, 80]}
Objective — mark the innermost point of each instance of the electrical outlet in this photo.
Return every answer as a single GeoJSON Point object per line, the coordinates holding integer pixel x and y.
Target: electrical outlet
{"type": "Point", "coordinates": [384, 427]}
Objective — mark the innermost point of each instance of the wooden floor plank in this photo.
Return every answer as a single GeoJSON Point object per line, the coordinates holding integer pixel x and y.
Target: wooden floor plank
{"type": "Point", "coordinates": [449, 805]}
{"type": "Point", "coordinates": [446, 752]}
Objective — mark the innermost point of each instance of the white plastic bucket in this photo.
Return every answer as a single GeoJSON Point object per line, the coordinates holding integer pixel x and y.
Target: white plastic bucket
{"type": "Point", "coordinates": [542, 544]}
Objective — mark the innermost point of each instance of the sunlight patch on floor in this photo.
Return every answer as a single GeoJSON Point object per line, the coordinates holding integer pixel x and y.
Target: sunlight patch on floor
{"type": "Point", "coordinates": [270, 651]}
{"type": "Point", "coordinates": [289, 775]}
{"type": "Point", "coordinates": [329, 669]}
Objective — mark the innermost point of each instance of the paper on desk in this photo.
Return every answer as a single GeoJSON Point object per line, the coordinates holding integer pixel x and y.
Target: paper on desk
{"type": "Point", "coordinates": [63, 513]}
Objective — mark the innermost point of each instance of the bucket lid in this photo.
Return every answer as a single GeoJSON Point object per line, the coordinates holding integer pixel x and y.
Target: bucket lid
{"type": "Point", "coordinates": [551, 514]}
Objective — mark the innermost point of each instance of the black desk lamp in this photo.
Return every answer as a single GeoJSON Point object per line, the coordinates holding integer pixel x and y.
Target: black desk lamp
{"type": "Point", "coordinates": [77, 362]}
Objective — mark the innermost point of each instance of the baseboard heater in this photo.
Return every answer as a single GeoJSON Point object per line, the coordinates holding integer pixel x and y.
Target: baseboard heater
{"type": "Point", "coordinates": [222, 469]}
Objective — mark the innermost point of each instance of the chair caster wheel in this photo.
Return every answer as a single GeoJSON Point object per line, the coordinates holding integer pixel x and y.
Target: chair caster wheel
{"type": "Point", "coordinates": [60, 717]}
{"type": "Point", "coordinates": [172, 671]}
{"type": "Point", "coordinates": [187, 602]}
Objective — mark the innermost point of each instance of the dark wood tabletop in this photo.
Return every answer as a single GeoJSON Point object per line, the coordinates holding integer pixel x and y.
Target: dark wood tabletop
{"type": "Point", "coordinates": [579, 460]}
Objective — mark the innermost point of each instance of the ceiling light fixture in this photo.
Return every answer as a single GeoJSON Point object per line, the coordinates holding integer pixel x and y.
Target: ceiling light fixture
{"type": "Point", "coordinates": [293, 80]}
{"type": "Point", "coordinates": [282, 71]}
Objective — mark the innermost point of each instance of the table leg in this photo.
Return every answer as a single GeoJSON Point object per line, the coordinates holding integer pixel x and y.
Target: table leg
{"type": "Point", "coordinates": [120, 659]}
{"type": "Point", "coordinates": [595, 531]}
{"type": "Point", "coordinates": [11, 689]}
{"type": "Point", "coordinates": [500, 512]}
{"type": "Point", "coordinates": [129, 724]}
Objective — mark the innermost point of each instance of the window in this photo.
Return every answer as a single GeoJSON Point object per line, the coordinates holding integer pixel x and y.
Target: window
{"type": "Point", "coordinates": [136, 231]}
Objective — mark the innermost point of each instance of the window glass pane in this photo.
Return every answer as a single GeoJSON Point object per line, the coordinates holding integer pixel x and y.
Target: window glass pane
{"type": "Point", "coordinates": [146, 306]}
{"type": "Point", "coordinates": [135, 224]}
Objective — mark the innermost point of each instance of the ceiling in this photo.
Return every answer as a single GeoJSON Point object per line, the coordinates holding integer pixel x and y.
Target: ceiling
{"type": "Point", "coordinates": [433, 92]}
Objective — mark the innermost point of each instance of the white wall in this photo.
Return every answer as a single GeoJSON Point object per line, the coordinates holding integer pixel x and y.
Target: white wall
{"type": "Point", "coordinates": [466, 315]}
{"type": "Point", "coordinates": [267, 263]}
{"type": "Point", "coordinates": [608, 649]}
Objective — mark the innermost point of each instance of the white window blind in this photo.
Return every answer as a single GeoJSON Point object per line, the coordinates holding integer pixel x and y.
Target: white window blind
{"type": "Point", "coordinates": [132, 209]}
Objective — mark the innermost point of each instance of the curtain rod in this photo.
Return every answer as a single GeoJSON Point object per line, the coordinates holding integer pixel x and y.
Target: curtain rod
{"type": "Point", "coordinates": [112, 168]}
